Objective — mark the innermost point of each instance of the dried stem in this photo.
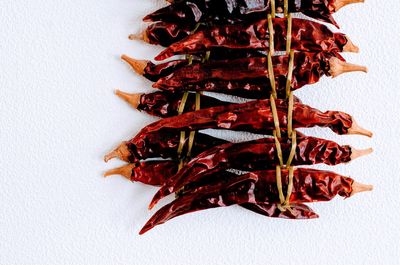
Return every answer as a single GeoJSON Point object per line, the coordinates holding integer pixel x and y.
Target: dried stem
{"type": "Point", "coordinates": [338, 4]}
{"type": "Point", "coordinates": [338, 67]}
{"type": "Point", "coordinates": [131, 99]}
{"type": "Point", "coordinates": [137, 65]}
{"type": "Point", "coordinates": [125, 171]}
{"type": "Point", "coordinates": [121, 152]}
{"type": "Point", "coordinates": [357, 129]}
{"type": "Point", "coordinates": [356, 153]}
{"type": "Point", "coordinates": [359, 187]}
{"type": "Point", "coordinates": [350, 47]}
{"type": "Point", "coordinates": [140, 36]}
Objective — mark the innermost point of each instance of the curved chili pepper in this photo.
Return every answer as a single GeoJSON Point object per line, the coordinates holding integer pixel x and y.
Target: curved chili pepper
{"type": "Point", "coordinates": [147, 172]}
{"type": "Point", "coordinates": [256, 117]}
{"type": "Point", "coordinates": [306, 36]}
{"type": "Point", "coordinates": [165, 104]}
{"type": "Point", "coordinates": [161, 144]}
{"type": "Point", "coordinates": [309, 185]}
{"type": "Point", "coordinates": [252, 74]}
{"type": "Point", "coordinates": [257, 155]}
{"type": "Point", "coordinates": [195, 11]}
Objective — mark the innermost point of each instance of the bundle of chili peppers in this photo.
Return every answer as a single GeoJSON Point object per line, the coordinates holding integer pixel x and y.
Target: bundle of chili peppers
{"type": "Point", "coordinates": [230, 48]}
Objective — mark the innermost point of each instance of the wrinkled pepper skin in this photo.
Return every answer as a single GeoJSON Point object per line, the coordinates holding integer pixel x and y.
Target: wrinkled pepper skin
{"type": "Point", "coordinates": [165, 145]}
{"type": "Point", "coordinates": [148, 172]}
{"type": "Point", "coordinates": [306, 36]}
{"type": "Point", "coordinates": [255, 155]}
{"type": "Point", "coordinates": [309, 185]}
{"type": "Point", "coordinates": [165, 104]}
{"type": "Point", "coordinates": [179, 20]}
{"type": "Point", "coordinates": [248, 75]}
{"type": "Point", "coordinates": [254, 116]}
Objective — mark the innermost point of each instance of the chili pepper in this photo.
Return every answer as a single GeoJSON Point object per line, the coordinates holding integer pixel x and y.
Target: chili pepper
{"type": "Point", "coordinates": [256, 117]}
{"type": "Point", "coordinates": [192, 12]}
{"type": "Point", "coordinates": [161, 144]}
{"type": "Point", "coordinates": [220, 76]}
{"type": "Point", "coordinates": [306, 36]}
{"type": "Point", "coordinates": [147, 172]}
{"type": "Point", "coordinates": [257, 155]}
{"type": "Point", "coordinates": [165, 104]}
{"type": "Point", "coordinates": [309, 185]}
{"type": "Point", "coordinates": [153, 72]}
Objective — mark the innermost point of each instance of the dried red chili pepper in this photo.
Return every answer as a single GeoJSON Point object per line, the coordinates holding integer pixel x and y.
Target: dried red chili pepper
{"type": "Point", "coordinates": [309, 185]}
{"type": "Point", "coordinates": [147, 172]}
{"type": "Point", "coordinates": [252, 73]}
{"type": "Point", "coordinates": [165, 104]}
{"type": "Point", "coordinates": [195, 11]}
{"type": "Point", "coordinates": [161, 144]}
{"type": "Point", "coordinates": [256, 117]}
{"type": "Point", "coordinates": [306, 36]}
{"type": "Point", "coordinates": [180, 20]}
{"type": "Point", "coordinates": [257, 155]}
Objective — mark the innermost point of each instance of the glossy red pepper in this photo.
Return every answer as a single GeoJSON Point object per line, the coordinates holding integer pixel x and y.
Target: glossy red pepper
{"type": "Point", "coordinates": [250, 76]}
{"type": "Point", "coordinates": [147, 172]}
{"type": "Point", "coordinates": [306, 36]}
{"type": "Point", "coordinates": [256, 117]}
{"type": "Point", "coordinates": [161, 144]}
{"type": "Point", "coordinates": [309, 185]}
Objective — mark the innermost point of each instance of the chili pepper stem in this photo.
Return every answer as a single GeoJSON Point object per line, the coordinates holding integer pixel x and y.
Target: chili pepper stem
{"type": "Point", "coordinates": [125, 171]}
{"type": "Point", "coordinates": [356, 153]}
{"type": "Point", "coordinates": [359, 187]}
{"type": "Point", "coordinates": [338, 67]}
{"type": "Point", "coordinates": [357, 129]}
{"type": "Point", "coordinates": [350, 47]}
{"type": "Point", "coordinates": [131, 99]}
{"type": "Point", "coordinates": [341, 3]}
{"type": "Point", "coordinates": [121, 152]}
{"type": "Point", "coordinates": [137, 65]}
{"type": "Point", "coordinates": [140, 36]}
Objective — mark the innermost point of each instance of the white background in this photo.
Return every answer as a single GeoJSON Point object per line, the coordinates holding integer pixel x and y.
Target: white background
{"type": "Point", "coordinates": [59, 64]}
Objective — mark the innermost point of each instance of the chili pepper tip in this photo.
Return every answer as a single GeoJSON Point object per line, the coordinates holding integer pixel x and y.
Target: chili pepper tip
{"type": "Point", "coordinates": [137, 65]}
{"type": "Point", "coordinates": [338, 4]}
{"type": "Point", "coordinates": [338, 67]}
{"type": "Point", "coordinates": [125, 171]}
{"type": "Point", "coordinates": [122, 152]}
{"type": "Point", "coordinates": [350, 47]}
{"type": "Point", "coordinates": [359, 187]}
{"type": "Point", "coordinates": [131, 99]}
{"type": "Point", "coordinates": [356, 153]}
{"type": "Point", "coordinates": [357, 129]}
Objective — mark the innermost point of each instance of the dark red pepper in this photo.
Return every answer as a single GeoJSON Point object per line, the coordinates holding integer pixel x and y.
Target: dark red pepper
{"type": "Point", "coordinates": [161, 144]}
{"type": "Point", "coordinates": [147, 172]}
{"type": "Point", "coordinates": [306, 36]}
{"type": "Point", "coordinates": [165, 104]}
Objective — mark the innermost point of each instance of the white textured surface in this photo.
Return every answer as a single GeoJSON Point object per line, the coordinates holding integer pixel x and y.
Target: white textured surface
{"type": "Point", "coordinates": [58, 116]}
